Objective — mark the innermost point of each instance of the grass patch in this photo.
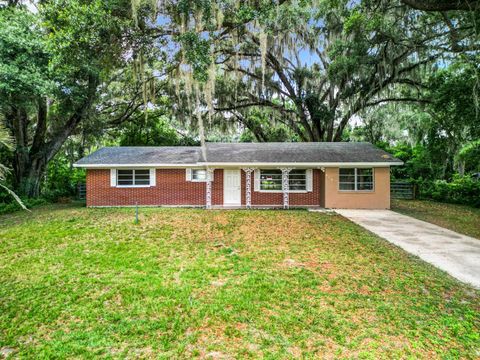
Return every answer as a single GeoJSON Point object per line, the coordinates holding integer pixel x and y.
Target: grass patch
{"type": "Point", "coordinates": [462, 219]}
{"type": "Point", "coordinates": [186, 283]}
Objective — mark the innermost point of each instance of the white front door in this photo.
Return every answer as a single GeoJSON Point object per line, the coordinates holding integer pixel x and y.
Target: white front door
{"type": "Point", "coordinates": [232, 193]}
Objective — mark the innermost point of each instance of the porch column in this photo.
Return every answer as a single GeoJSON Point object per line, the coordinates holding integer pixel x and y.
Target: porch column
{"type": "Point", "coordinates": [209, 188]}
{"type": "Point", "coordinates": [248, 187]}
{"type": "Point", "coordinates": [285, 172]}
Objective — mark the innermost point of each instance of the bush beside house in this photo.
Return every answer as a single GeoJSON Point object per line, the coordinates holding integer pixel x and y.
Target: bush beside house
{"type": "Point", "coordinates": [461, 190]}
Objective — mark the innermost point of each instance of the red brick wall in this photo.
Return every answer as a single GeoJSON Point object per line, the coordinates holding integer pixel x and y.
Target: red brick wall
{"type": "Point", "coordinates": [171, 189]}
{"type": "Point", "coordinates": [312, 198]}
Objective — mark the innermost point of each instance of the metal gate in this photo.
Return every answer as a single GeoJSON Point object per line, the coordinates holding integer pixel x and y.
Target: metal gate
{"type": "Point", "coordinates": [81, 191]}
{"type": "Point", "coordinates": [402, 190]}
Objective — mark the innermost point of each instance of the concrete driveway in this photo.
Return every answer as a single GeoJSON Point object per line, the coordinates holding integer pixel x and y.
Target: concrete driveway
{"type": "Point", "coordinates": [457, 254]}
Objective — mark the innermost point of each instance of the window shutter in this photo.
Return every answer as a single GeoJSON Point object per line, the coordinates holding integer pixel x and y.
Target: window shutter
{"type": "Point", "coordinates": [189, 174]}
{"type": "Point", "coordinates": [153, 180]}
{"type": "Point", "coordinates": [113, 177]}
{"type": "Point", "coordinates": [309, 175]}
{"type": "Point", "coordinates": [256, 180]}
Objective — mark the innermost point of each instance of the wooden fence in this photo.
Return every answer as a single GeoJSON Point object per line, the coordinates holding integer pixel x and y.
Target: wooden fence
{"type": "Point", "coordinates": [81, 191]}
{"type": "Point", "coordinates": [403, 190]}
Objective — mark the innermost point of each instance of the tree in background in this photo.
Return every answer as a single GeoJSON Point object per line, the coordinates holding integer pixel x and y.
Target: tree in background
{"type": "Point", "coordinates": [54, 64]}
{"type": "Point", "coordinates": [468, 158]}
{"type": "Point", "coordinates": [155, 129]}
{"type": "Point", "coordinates": [319, 67]}
{"type": "Point", "coordinates": [82, 74]}
{"type": "Point", "coordinates": [436, 138]}
{"type": "Point", "coordinates": [7, 142]}
{"type": "Point", "coordinates": [454, 94]}
{"type": "Point", "coordinates": [260, 127]}
{"type": "Point", "coordinates": [444, 5]}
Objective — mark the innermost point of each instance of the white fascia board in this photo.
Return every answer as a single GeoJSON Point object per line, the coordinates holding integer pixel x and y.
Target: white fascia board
{"type": "Point", "coordinates": [134, 166]}
{"type": "Point", "coordinates": [305, 164]}
{"type": "Point", "coordinates": [237, 165]}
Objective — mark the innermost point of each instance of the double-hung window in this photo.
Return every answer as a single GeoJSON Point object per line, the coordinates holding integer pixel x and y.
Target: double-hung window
{"type": "Point", "coordinates": [297, 180]}
{"type": "Point", "coordinates": [356, 179]}
{"type": "Point", "coordinates": [133, 177]}
{"type": "Point", "coordinates": [271, 180]}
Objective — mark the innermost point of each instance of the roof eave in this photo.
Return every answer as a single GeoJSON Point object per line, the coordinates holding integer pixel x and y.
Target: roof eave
{"type": "Point", "coordinates": [243, 164]}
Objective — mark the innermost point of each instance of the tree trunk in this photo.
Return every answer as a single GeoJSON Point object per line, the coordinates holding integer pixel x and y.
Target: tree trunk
{"type": "Point", "coordinates": [32, 156]}
{"type": "Point", "coordinates": [31, 179]}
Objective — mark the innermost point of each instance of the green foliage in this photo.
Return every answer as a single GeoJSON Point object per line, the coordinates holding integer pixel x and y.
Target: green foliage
{"type": "Point", "coordinates": [436, 139]}
{"type": "Point", "coordinates": [417, 160]}
{"type": "Point", "coordinates": [197, 54]}
{"type": "Point", "coordinates": [53, 64]}
{"type": "Point", "coordinates": [155, 130]}
{"type": "Point", "coordinates": [23, 57]}
{"type": "Point", "coordinates": [60, 185]}
{"type": "Point", "coordinates": [272, 134]}
{"type": "Point", "coordinates": [83, 36]}
{"type": "Point", "coordinates": [77, 56]}
{"type": "Point", "coordinates": [9, 205]}
{"type": "Point", "coordinates": [6, 143]}
{"type": "Point", "coordinates": [259, 128]}
{"type": "Point", "coordinates": [62, 179]}
{"type": "Point", "coordinates": [461, 190]}
{"type": "Point", "coordinates": [455, 99]}
{"type": "Point", "coordinates": [422, 168]}
{"type": "Point", "coordinates": [469, 155]}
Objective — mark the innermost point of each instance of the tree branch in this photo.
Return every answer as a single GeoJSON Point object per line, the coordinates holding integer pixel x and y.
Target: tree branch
{"type": "Point", "coordinates": [443, 5]}
{"type": "Point", "coordinates": [406, 99]}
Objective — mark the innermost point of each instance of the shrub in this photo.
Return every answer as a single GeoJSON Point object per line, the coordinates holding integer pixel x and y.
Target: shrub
{"type": "Point", "coordinates": [54, 195]}
{"type": "Point", "coordinates": [12, 206]}
{"type": "Point", "coordinates": [461, 190]}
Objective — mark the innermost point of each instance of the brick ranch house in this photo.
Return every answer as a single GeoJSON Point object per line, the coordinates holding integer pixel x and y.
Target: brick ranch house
{"type": "Point", "coordinates": [325, 175]}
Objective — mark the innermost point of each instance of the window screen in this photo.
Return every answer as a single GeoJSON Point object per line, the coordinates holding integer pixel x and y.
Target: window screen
{"type": "Point", "coordinates": [356, 179]}
{"type": "Point", "coordinates": [271, 180]}
{"type": "Point", "coordinates": [133, 177]}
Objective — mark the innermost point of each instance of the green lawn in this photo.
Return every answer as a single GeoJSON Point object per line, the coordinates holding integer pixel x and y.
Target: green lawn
{"type": "Point", "coordinates": [459, 218]}
{"type": "Point", "coordinates": [88, 283]}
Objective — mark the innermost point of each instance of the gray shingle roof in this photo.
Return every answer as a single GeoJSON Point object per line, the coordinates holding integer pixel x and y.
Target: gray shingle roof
{"type": "Point", "coordinates": [345, 152]}
{"type": "Point", "coordinates": [128, 155]}
{"type": "Point", "coordinates": [320, 152]}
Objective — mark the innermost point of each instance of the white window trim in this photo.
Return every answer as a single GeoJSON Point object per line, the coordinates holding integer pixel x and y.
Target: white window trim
{"type": "Point", "coordinates": [133, 186]}
{"type": "Point", "coordinates": [356, 190]}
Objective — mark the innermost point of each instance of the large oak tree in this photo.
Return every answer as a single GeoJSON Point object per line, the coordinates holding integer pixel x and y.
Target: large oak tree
{"type": "Point", "coordinates": [54, 65]}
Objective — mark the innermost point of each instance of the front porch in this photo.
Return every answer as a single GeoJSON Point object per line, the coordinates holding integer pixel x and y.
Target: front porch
{"type": "Point", "coordinates": [280, 187]}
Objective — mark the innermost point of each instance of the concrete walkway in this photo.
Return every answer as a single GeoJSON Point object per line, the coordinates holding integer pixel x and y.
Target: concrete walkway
{"type": "Point", "coordinates": [457, 254]}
